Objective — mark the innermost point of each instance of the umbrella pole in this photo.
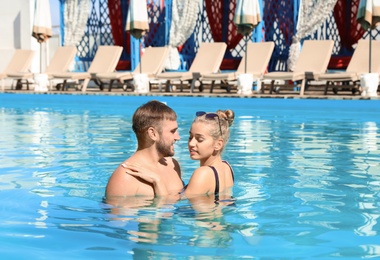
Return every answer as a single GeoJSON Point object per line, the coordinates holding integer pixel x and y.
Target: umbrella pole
{"type": "Point", "coordinates": [370, 49]}
{"type": "Point", "coordinates": [140, 55]}
{"type": "Point", "coordinates": [40, 57]}
{"type": "Point", "coordinates": [246, 56]}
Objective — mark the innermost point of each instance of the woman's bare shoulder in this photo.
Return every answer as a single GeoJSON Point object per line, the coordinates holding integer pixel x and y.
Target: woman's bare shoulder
{"type": "Point", "coordinates": [202, 173]}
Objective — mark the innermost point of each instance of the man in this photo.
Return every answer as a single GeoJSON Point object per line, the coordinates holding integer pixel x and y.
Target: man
{"type": "Point", "coordinates": [156, 129]}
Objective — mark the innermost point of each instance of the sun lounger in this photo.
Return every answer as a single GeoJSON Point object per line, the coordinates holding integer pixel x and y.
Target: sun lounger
{"type": "Point", "coordinates": [152, 63]}
{"type": "Point", "coordinates": [105, 60]}
{"type": "Point", "coordinates": [312, 61]}
{"type": "Point", "coordinates": [61, 61]}
{"type": "Point", "coordinates": [20, 63]}
{"type": "Point", "coordinates": [207, 60]}
{"type": "Point", "coordinates": [258, 53]}
{"type": "Point", "coordinates": [359, 65]}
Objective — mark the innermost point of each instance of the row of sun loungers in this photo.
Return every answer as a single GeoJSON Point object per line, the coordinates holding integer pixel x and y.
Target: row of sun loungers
{"type": "Point", "coordinates": [20, 63]}
{"type": "Point", "coordinates": [153, 62]}
{"type": "Point", "coordinates": [312, 63]}
{"type": "Point", "coordinates": [311, 66]}
{"type": "Point", "coordinates": [257, 66]}
{"type": "Point", "coordinates": [105, 60]}
{"type": "Point", "coordinates": [358, 66]}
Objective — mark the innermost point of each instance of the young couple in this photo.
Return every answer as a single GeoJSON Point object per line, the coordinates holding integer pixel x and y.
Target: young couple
{"type": "Point", "coordinates": [151, 171]}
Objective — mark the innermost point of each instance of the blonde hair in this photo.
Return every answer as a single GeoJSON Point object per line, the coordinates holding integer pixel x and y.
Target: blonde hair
{"type": "Point", "coordinates": [220, 123]}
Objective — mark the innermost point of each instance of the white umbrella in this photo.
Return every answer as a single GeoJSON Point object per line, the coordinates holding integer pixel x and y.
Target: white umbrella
{"type": "Point", "coordinates": [42, 29]}
{"type": "Point", "coordinates": [369, 17]}
{"type": "Point", "coordinates": [137, 20]}
{"type": "Point", "coordinates": [247, 17]}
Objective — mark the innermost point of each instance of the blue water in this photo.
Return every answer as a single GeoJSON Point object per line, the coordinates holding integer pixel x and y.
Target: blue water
{"type": "Point", "coordinates": [307, 181]}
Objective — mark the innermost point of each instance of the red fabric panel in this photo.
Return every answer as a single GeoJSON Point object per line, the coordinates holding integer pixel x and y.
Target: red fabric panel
{"type": "Point", "coordinates": [339, 62]}
{"type": "Point", "coordinates": [281, 12]}
{"type": "Point", "coordinates": [214, 14]}
{"type": "Point", "coordinates": [216, 10]}
{"type": "Point", "coordinates": [229, 64]}
{"type": "Point", "coordinates": [120, 37]}
{"type": "Point", "coordinates": [350, 31]}
{"type": "Point", "coordinates": [115, 15]}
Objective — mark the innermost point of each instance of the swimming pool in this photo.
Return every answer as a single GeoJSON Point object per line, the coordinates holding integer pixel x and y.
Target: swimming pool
{"type": "Point", "coordinates": [307, 181]}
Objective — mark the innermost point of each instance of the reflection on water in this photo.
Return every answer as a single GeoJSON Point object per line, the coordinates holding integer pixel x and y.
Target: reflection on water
{"type": "Point", "coordinates": [40, 221]}
{"type": "Point", "coordinates": [369, 136]}
{"type": "Point", "coordinates": [200, 223]}
{"type": "Point", "coordinates": [307, 184]}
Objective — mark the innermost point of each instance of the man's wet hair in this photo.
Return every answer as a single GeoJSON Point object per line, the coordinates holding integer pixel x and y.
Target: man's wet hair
{"type": "Point", "coordinates": [151, 114]}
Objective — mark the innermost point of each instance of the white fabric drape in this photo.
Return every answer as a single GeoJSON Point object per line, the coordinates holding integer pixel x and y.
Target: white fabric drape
{"type": "Point", "coordinates": [184, 18]}
{"type": "Point", "coordinates": [311, 15]}
{"type": "Point", "coordinates": [75, 15]}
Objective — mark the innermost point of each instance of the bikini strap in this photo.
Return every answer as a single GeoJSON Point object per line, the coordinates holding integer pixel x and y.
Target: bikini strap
{"type": "Point", "coordinates": [232, 171]}
{"type": "Point", "coordinates": [216, 180]}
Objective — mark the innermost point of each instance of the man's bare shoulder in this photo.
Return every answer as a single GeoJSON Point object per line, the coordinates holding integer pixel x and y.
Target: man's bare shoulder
{"type": "Point", "coordinates": [168, 162]}
{"type": "Point", "coordinates": [171, 164]}
{"type": "Point", "coordinates": [121, 184]}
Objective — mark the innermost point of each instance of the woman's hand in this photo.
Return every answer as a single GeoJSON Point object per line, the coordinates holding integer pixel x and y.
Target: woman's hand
{"type": "Point", "coordinates": [148, 176]}
{"type": "Point", "coordinates": [141, 172]}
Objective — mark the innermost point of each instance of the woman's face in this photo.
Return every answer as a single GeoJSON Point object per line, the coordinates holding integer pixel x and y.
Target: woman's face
{"type": "Point", "coordinates": [201, 143]}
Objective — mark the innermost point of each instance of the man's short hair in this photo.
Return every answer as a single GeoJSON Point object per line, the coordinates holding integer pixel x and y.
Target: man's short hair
{"type": "Point", "coordinates": [151, 114]}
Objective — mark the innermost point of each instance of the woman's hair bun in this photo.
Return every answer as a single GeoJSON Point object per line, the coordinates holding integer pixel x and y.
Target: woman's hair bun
{"type": "Point", "coordinates": [227, 115]}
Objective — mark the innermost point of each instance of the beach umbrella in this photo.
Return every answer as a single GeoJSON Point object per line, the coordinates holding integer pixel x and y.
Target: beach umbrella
{"type": "Point", "coordinates": [369, 17]}
{"type": "Point", "coordinates": [246, 18]}
{"type": "Point", "coordinates": [137, 20]}
{"type": "Point", "coordinates": [42, 28]}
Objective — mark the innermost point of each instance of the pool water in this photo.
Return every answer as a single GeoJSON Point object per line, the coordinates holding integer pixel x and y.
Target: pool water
{"type": "Point", "coordinates": [307, 181]}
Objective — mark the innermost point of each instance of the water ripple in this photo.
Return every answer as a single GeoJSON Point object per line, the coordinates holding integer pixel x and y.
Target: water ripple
{"type": "Point", "coordinates": [307, 181]}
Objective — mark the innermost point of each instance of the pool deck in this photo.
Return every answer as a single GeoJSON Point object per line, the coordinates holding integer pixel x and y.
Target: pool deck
{"type": "Point", "coordinates": [218, 92]}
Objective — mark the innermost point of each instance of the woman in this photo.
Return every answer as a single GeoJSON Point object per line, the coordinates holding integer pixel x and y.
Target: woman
{"type": "Point", "coordinates": [209, 134]}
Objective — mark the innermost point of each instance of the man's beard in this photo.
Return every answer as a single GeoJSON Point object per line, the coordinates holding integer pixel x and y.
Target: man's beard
{"type": "Point", "coordinates": [164, 149]}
